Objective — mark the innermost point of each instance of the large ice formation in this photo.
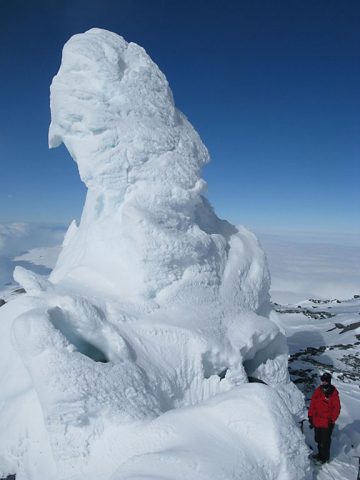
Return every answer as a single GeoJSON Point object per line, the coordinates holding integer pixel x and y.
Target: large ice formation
{"type": "Point", "coordinates": [132, 360]}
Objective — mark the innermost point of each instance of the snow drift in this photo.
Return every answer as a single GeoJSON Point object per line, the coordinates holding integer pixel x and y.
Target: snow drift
{"type": "Point", "coordinates": [133, 357]}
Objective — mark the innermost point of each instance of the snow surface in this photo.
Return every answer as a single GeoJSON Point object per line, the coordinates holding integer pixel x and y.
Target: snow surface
{"type": "Point", "coordinates": [325, 336]}
{"type": "Point", "coordinates": [132, 359]}
{"type": "Point", "coordinates": [302, 332]}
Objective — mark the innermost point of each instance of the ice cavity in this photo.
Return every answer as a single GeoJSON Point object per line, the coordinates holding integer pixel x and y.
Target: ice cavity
{"type": "Point", "coordinates": [154, 304]}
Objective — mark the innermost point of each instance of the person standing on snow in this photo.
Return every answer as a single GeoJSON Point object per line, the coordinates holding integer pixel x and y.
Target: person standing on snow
{"type": "Point", "coordinates": [323, 412]}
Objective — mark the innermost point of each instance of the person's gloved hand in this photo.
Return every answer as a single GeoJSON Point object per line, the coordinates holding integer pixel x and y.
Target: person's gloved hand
{"type": "Point", "coordinates": [331, 425]}
{"type": "Point", "coordinates": [311, 423]}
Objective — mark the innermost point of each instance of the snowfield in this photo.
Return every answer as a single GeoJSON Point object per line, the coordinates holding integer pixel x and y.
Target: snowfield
{"type": "Point", "coordinates": [324, 335]}
{"type": "Point", "coordinates": [132, 359]}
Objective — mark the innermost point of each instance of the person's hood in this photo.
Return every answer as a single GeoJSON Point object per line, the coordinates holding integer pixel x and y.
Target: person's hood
{"type": "Point", "coordinates": [327, 389]}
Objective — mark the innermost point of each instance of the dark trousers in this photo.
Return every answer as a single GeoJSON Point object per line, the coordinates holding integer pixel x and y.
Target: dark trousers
{"type": "Point", "coordinates": [323, 439]}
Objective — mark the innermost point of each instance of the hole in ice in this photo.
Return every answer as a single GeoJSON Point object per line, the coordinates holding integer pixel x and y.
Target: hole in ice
{"type": "Point", "coordinates": [256, 380]}
{"type": "Point", "coordinates": [270, 352]}
{"type": "Point", "coordinates": [222, 374]}
{"type": "Point", "coordinates": [251, 379]}
{"type": "Point", "coordinates": [208, 367]}
{"type": "Point", "coordinates": [61, 321]}
{"type": "Point", "coordinates": [18, 291]}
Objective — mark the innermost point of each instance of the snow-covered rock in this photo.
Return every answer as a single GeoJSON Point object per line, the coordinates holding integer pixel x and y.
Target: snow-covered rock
{"type": "Point", "coordinates": [155, 305]}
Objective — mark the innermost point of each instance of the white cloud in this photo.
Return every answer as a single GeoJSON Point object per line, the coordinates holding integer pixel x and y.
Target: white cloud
{"type": "Point", "coordinates": [309, 267]}
{"type": "Point", "coordinates": [18, 238]}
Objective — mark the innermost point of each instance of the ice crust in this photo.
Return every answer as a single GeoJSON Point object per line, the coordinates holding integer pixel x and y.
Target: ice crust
{"type": "Point", "coordinates": [134, 355]}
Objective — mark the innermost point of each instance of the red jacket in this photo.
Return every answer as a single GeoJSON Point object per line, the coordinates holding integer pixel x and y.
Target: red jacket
{"type": "Point", "coordinates": [324, 410]}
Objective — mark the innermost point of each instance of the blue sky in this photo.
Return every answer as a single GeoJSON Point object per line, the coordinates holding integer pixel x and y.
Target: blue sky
{"type": "Point", "coordinates": [271, 86]}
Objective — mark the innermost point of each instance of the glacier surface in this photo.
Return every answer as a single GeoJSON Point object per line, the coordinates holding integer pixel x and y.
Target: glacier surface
{"type": "Point", "coordinates": [132, 359]}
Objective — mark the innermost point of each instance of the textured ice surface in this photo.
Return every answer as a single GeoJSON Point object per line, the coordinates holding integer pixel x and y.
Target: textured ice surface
{"type": "Point", "coordinates": [155, 305]}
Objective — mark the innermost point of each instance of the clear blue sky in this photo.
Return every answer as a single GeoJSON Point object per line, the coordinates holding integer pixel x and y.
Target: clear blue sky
{"type": "Point", "coordinates": [273, 87]}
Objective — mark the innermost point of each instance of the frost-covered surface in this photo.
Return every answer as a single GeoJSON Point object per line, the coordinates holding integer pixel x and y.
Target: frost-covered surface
{"type": "Point", "coordinates": [132, 359]}
{"type": "Point", "coordinates": [314, 344]}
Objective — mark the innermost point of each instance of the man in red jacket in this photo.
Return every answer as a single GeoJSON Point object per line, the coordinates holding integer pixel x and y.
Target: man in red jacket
{"type": "Point", "coordinates": [323, 412]}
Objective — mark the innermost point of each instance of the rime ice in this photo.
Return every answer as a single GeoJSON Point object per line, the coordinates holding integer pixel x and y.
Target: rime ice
{"type": "Point", "coordinates": [152, 302]}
